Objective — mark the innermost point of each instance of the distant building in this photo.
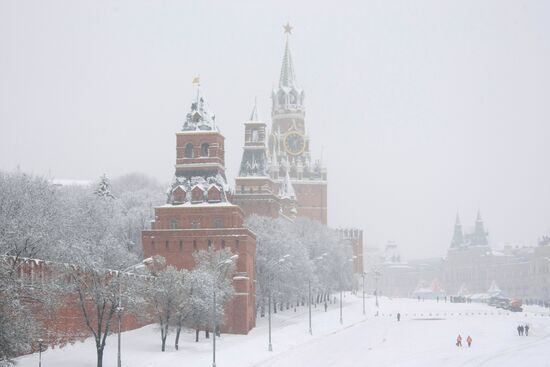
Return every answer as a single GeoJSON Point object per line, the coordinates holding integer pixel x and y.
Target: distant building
{"type": "Point", "coordinates": [472, 266]}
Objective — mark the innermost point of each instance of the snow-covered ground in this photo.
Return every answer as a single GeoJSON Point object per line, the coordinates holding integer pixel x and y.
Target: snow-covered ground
{"type": "Point", "coordinates": [424, 337]}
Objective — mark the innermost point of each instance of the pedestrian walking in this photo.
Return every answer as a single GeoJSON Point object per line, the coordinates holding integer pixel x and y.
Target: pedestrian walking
{"type": "Point", "coordinates": [519, 330]}
{"type": "Point", "coordinates": [458, 341]}
{"type": "Point", "coordinates": [398, 317]}
{"type": "Point", "coordinates": [526, 330]}
{"type": "Point", "coordinates": [469, 341]}
{"type": "Point", "coordinates": [326, 307]}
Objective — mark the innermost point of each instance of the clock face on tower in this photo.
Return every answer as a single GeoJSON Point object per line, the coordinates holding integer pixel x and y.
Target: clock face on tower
{"type": "Point", "coordinates": [295, 143]}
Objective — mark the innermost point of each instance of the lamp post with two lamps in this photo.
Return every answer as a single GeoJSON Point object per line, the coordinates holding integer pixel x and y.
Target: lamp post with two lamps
{"type": "Point", "coordinates": [221, 264]}
{"type": "Point", "coordinates": [342, 290]}
{"type": "Point", "coordinates": [40, 341]}
{"type": "Point", "coordinates": [309, 291]}
{"type": "Point", "coordinates": [119, 309]}
{"type": "Point", "coordinates": [274, 263]}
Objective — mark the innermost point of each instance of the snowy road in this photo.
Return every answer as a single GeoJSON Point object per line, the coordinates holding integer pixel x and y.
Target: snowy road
{"type": "Point", "coordinates": [424, 337]}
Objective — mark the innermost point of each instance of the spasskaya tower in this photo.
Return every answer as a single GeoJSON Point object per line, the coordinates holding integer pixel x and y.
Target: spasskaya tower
{"type": "Point", "coordinates": [281, 173]}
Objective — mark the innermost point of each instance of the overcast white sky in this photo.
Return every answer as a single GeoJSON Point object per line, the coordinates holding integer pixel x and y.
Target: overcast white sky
{"type": "Point", "coordinates": [421, 108]}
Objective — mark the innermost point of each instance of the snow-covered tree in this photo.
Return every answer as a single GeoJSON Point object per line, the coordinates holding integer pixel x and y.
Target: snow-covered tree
{"type": "Point", "coordinates": [96, 246]}
{"type": "Point", "coordinates": [28, 215]}
{"type": "Point", "coordinates": [137, 196]}
{"type": "Point", "coordinates": [282, 265]}
{"type": "Point", "coordinates": [104, 188]}
{"type": "Point", "coordinates": [213, 271]}
{"type": "Point", "coordinates": [168, 294]}
{"type": "Point", "coordinates": [28, 229]}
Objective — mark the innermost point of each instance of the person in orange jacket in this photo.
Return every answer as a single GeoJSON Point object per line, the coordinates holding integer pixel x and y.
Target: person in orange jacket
{"type": "Point", "coordinates": [469, 341]}
{"type": "Point", "coordinates": [458, 341]}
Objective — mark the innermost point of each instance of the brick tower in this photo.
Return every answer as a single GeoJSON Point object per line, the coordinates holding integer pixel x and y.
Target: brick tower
{"type": "Point", "coordinates": [199, 216]}
{"type": "Point", "coordinates": [297, 186]}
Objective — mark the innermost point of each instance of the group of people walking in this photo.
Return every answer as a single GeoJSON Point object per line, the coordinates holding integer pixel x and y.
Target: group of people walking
{"type": "Point", "coordinates": [523, 330]}
{"type": "Point", "coordinates": [459, 341]}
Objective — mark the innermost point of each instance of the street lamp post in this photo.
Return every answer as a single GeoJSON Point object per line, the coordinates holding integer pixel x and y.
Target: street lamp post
{"type": "Point", "coordinates": [40, 352]}
{"type": "Point", "coordinates": [309, 304]}
{"type": "Point", "coordinates": [341, 319]}
{"type": "Point", "coordinates": [376, 276]}
{"type": "Point", "coordinates": [270, 347]}
{"type": "Point", "coordinates": [119, 311]}
{"type": "Point", "coordinates": [352, 259]}
{"type": "Point", "coordinates": [363, 274]}
{"type": "Point", "coordinates": [214, 326]}
{"type": "Point", "coordinates": [214, 329]}
{"type": "Point", "coordinates": [119, 308]}
{"type": "Point", "coordinates": [280, 261]}
{"type": "Point", "coordinates": [309, 292]}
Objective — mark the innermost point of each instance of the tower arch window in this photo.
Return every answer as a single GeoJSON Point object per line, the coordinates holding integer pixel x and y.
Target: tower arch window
{"type": "Point", "coordinates": [293, 98]}
{"type": "Point", "coordinates": [188, 150]}
{"type": "Point", "coordinates": [204, 149]}
{"type": "Point", "coordinates": [282, 98]}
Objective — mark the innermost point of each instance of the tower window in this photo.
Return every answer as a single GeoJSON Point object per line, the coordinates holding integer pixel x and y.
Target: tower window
{"type": "Point", "coordinates": [181, 245]}
{"type": "Point", "coordinates": [204, 149]}
{"type": "Point", "coordinates": [223, 243]}
{"type": "Point", "coordinates": [218, 223]}
{"type": "Point", "coordinates": [189, 150]}
{"type": "Point", "coordinates": [153, 244]}
{"type": "Point", "coordinates": [194, 244]}
{"type": "Point", "coordinates": [174, 224]}
{"type": "Point", "coordinates": [166, 244]}
{"type": "Point", "coordinates": [209, 244]}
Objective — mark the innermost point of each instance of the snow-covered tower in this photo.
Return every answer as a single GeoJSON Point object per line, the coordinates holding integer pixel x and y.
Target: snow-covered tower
{"type": "Point", "coordinates": [262, 185]}
{"type": "Point", "coordinates": [199, 215]}
{"type": "Point", "coordinates": [479, 236]}
{"type": "Point", "coordinates": [458, 236]}
{"type": "Point", "coordinates": [289, 144]}
{"type": "Point", "coordinates": [255, 191]}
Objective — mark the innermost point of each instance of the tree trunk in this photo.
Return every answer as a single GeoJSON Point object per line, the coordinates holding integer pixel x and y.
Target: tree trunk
{"type": "Point", "coordinates": [178, 331]}
{"type": "Point", "coordinates": [99, 357]}
{"type": "Point", "coordinates": [163, 343]}
{"type": "Point", "coordinates": [207, 334]}
{"type": "Point", "coordinates": [197, 335]}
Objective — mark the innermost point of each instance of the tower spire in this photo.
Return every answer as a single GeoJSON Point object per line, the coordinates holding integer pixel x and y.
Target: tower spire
{"type": "Point", "coordinates": [458, 235]}
{"type": "Point", "coordinates": [479, 237]}
{"type": "Point", "coordinates": [254, 114]}
{"type": "Point", "coordinates": [287, 69]}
